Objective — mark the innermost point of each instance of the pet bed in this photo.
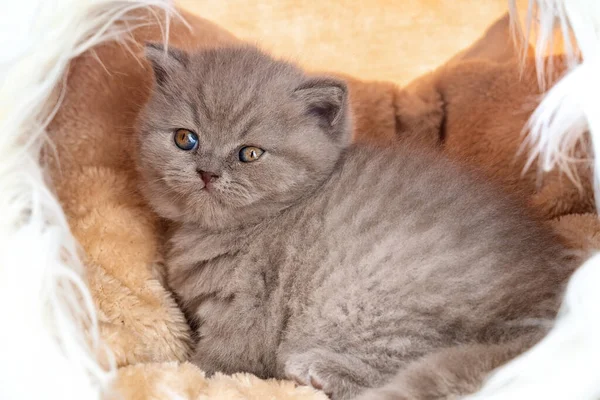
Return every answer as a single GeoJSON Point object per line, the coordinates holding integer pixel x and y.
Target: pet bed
{"type": "Point", "coordinates": [127, 335]}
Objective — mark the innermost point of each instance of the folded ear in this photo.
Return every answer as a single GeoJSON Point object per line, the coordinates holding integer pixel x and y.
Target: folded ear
{"type": "Point", "coordinates": [165, 62]}
{"type": "Point", "coordinates": [325, 98]}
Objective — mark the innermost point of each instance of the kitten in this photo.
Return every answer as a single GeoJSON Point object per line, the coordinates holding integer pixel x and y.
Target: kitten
{"type": "Point", "coordinates": [298, 255]}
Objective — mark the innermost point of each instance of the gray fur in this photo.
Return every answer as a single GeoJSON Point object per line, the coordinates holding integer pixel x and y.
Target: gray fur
{"type": "Point", "coordinates": [333, 264]}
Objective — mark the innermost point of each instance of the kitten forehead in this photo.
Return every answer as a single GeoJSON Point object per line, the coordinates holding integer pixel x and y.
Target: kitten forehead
{"type": "Point", "coordinates": [235, 93]}
{"type": "Point", "coordinates": [232, 76]}
{"type": "Point", "coordinates": [226, 90]}
{"type": "Point", "coordinates": [245, 66]}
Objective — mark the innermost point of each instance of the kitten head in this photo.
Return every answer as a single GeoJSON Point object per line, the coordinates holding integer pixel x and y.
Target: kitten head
{"type": "Point", "coordinates": [231, 136]}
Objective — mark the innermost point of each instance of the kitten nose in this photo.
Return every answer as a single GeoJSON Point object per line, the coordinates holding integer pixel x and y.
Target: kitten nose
{"type": "Point", "coordinates": [207, 176]}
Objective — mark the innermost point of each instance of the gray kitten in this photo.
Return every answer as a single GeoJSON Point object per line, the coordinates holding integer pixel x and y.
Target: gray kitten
{"type": "Point", "coordinates": [298, 255]}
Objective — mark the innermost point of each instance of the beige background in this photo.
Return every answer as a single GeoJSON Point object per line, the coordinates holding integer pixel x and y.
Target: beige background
{"type": "Point", "coordinates": [393, 40]}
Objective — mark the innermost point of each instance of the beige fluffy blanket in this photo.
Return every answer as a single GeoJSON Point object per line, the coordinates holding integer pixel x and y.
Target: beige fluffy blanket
{"type": "Point", "coordinates": [472, 108]}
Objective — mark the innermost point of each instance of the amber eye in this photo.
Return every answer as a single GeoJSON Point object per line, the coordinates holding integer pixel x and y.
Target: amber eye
{"type": "Point", "coordinates": [185, 139]}
{"type": "Point", "coordinates": [250, 153]}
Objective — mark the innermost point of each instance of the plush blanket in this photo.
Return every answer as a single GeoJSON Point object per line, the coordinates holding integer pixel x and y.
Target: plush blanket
{"type": "Point", "coordinates": [472, 108]}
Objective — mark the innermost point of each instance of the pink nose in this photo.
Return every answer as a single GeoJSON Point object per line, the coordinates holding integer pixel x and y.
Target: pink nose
{"type": "Point", "coordinates": [207, 176]}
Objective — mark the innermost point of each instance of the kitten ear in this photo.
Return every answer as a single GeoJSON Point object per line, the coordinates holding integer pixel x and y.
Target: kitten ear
{"type": "Point", "coordinates": [325, 98]}
{"type": "Point", "coordinates": [165, 61]}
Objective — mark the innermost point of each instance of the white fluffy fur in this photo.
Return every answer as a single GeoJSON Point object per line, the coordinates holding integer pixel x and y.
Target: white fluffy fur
{"type": "Point", "coordinates": [565, 364]}
{"type": "Point", "coordinates": [49, 343]}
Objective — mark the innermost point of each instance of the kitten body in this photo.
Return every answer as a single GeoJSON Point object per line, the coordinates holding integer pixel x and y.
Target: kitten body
{"type": "Point", "coordinates": [333, 264]}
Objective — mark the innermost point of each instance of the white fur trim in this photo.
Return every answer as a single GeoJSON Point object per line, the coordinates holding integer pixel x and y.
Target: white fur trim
{"type": "Point", "coordinates": [48, 336]}
{"type": "Point", "coordinates": [565, 364]}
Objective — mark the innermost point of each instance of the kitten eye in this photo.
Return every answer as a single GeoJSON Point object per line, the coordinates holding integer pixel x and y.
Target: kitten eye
{"type": "Point", "coordinates": [250, 153]}
{"type": "Point", "coordinates": [185, 139]}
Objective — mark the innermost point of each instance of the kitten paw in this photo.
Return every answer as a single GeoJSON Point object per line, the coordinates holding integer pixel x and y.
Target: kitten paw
{"type": "Point", "coordinates": [304, 376]}
{"type": "Point", "coordinates": [302, 373]}
{"type": "Point", "coordinates": [325, 371]}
